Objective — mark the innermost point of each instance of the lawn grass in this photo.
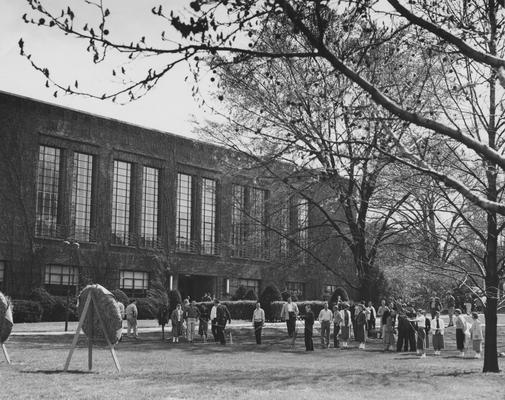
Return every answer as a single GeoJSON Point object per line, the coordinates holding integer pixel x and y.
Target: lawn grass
{"type": "Point", "coordinates": [152, 369]}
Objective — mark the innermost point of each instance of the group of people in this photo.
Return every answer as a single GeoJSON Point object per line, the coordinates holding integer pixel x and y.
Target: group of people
{"type": "Point", "coordinates": [184, 321]}
{"type": "Point", "coordinates": [401, 327]}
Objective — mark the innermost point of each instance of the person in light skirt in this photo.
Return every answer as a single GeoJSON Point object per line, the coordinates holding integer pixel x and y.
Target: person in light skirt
{"type": "Point", "coordinates": [437, 328]}
{"type": "Point", "coordinates": [476, 334]}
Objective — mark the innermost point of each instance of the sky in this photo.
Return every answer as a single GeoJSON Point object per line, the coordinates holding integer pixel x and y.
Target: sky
{"type": "Point", "coordinates": [168, 107]}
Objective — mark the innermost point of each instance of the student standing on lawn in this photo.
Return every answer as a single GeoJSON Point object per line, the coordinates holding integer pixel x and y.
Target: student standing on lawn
{"type": "Point", "coordinates": [389, 325]}
{"type": "Point", "coordinates": [437, 327]}
{"type": "Point", "coordinates": [177, 319]}
{"type": "Point", "coordinates": [258, 321]}
{"type": "Point", "coordinates": [460, 332]}
{"type": "Point", "coordinates": [421, 333]}
{"type": "Point", "coordinates": [476, 334]}
{"type": "Point", "coordinates": [213, 321]}
{"type": "Point", "coordinates": [403, 332]}
{"type": "Point", "coordinates": [185, 308]}
{"type": "Point", "coordinates": [325, 318]}
{"type": "Point", "coordinates": [131, 317]}
{"type": "Point", "coordinates": [412, 327]}
{"type": "Point", "coordinates": [309, 324]}
{"type": "Point", "coordinates": [192, 314]}
{"type": "Point", "coordinates": [337, 321]}
{"type": "Point", "coordinates": [380, 312]}
{"type": "Point", "coordinates": [222, 316]}
{"type": "Point", "coordinates": [371, 317]}
{"type": "Point", "coordinates": [203, 325]}
{"type": "Point", "coordinates": [352, 309]}
{"type": "Point", "coordinates": [289, 313]}
{"type": "Point", "coordinates": [427, 329]}
{"type": "Point", "coordinates": [346, 325]}
{"type": "Point", "coordinates": [361, 326]}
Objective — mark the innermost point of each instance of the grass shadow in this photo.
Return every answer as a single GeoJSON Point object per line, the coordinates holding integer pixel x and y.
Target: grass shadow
{"type": "Point", "coordinates": [58, 371]}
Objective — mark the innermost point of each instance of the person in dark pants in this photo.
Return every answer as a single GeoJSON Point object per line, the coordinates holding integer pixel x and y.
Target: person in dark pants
{"type": "Point", "coordinates": [222, 316]}
{"type": "Point", "coordinates": [412, 328]}
{"type": "Point", "coordinates": [258, 321]}
{"type": "Point", "coordinates": [403, 333]}
{"type": "Point", "coordinates": [213, 320]}
{"type": "Point", "coordinates": [309, 324]}
{"type": "Point", "coordinates": [337, 321]}
{"type": "Point", "coordinates": [289, 313]}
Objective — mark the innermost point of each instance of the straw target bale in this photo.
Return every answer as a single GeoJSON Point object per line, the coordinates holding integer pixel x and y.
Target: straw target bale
{"type": "Point", "coordinates": [109, 313]}
{"type": "Point", "coordinates": [5, 317]}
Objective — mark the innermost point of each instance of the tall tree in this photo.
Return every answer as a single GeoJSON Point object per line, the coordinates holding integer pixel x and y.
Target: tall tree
{"type": "Point", "coordinates": [466, 35]}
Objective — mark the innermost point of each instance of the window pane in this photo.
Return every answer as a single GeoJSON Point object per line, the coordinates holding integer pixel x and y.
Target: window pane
{"type": "Point", "coordinates": [61, 275]}
{"type": "Point", "coordinates": [48, 180]}
{"type": "Point", "coordinates": [296, 289]}
{"type": "Point", "coordinates": [208, 228]}
{"type": "Point", "coordinates": [184, 214]}
{"type": "Point", "coordinates": [257, 214]}
{"type": "Point", "coordinates": [121, 202]}
{"type": "Point", "coordinates": [81, 196]}
{"type": "Point", "coordinates": [303, 225]}
{"type": "Point", "coordinates": [133, 280]}
{"type": "Point", "coordinates": [238, 222]}
{"type": "Point", "coordinates": [149, 216]}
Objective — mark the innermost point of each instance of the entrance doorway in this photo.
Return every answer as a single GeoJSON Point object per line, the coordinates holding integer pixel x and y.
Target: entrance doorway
{"type": "Point", "coordinates": [195, 286]}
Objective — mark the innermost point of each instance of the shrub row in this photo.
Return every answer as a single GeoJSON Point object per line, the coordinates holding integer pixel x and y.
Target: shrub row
{"type": "Point", "coordinates": [26, 311]}
{"type": "Point", "coordinates": [240, 309]}
{"type": "Point", "coordinates": [54, 308]}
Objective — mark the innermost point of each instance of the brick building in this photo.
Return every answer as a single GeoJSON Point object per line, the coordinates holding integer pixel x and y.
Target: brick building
{"type": "Point", "coordinates": [90, 199]}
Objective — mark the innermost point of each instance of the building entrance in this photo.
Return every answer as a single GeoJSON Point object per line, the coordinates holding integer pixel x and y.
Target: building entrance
{"type": "Point", "coordinates": [195, 286]}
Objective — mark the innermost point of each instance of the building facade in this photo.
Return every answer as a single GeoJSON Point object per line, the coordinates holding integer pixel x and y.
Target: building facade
{"type": "Point", "coordinates": [90, 199]}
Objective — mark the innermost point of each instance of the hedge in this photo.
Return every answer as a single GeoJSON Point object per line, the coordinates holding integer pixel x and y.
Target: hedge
{"type": "Point", "coordinates": [46, 301]}
{"type": "Point", "coordinates": [240, 309]}
{"type": "Point", "coordinates": [146, 309]}
{"type": "Point", "coordinates": [54, 308]}
{"type": "Point", "coordinates": [269, 295]}
{"type": "Point", "coordinates": [26, 311]}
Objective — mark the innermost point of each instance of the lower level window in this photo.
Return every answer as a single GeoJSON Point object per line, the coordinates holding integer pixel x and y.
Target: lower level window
{"type": "Point", "coordinates": [248, 284]}
{"type": "Point", "coordinates": [133, 283]}
{"type": "Point", "coordinates": [329, 288]}
{"type": "Point", "coordinates": [59, 278]}
{"type": "Point", "coordinates": [296, 289]}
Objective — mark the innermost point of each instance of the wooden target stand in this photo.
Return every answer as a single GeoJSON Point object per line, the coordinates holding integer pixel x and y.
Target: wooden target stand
{"type": "Point", "coordinates": [6, 355]}
{"type": "Point", "coordinates": [89, 309]}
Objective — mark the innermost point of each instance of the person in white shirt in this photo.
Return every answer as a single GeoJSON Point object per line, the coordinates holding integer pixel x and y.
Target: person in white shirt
{"type": "Point", "coordinates": [337, 322]}
{"type": "Point", "coordinates": [213, 320]}
{"type": "Point", "coordinates": [371, 316]}
{"type": "Point", "coordinates": [325, 319]}
{"type": "Point", "coordinates": [346, 325]}
{"type": "Point", "coordinates": [131, 317]}
{"type": "Point", "coordinates": [258, 321]}
{"type": "Point", "coordinates": [380, 312]}
{"type": "Point", "coordinates": [421, 333]}
{"type": "Point", "coordinates": [177, 319]}
{"type": "Point", "coordinates": [289, 313]}
{"type": "Point", "coordinates": [437, 327]}
{"type": "Point", "coordinates": [476, 334]}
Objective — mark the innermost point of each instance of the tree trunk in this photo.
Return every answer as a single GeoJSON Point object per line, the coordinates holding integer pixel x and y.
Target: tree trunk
{"type": "Point", "coordinates": [492, 281]}
{"type": "Point", "coordinates": [490, 348]}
